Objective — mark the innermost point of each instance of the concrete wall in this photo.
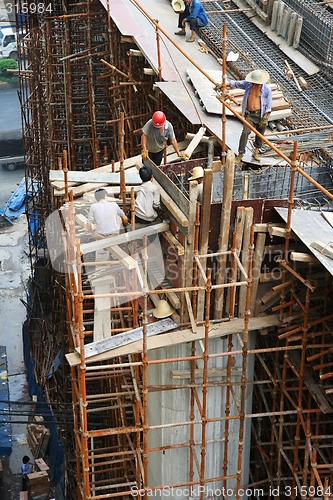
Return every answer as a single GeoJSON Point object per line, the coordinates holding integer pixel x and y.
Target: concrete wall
{"type": "Point", "coordinates": [172, 466]}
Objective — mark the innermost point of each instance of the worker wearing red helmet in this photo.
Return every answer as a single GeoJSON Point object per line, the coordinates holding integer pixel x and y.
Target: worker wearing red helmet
{"type": "Point", "coordinates": [155, 134]}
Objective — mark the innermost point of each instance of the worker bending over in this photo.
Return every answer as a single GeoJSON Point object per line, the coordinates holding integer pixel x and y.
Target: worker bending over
{"type": "Point", "coordinates": [155, 134]}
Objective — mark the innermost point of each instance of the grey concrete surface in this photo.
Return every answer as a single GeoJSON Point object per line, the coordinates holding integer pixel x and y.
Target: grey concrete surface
{"type": "Point", "coordinates": [14, 273]}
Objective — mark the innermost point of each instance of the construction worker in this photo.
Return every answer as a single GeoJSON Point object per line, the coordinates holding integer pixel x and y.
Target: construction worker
{"type": "Point", "coordinates": [197, 17]}
{"type": "Point", "coordinates": [105, 215]}
{"type": "Point", "coordinates": [155, 134]}
{"type": "Point", "coordinates": [147, 199]}
{"type": "Point", "coordinates": [256, 108]}
{"type": "Point", "coordinates": [198, 175]}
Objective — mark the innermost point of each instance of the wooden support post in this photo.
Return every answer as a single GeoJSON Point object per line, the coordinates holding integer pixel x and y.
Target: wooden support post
{"type": "Point", "coordinates": [239, 228]}
{"type": "Point", "coordinates": [204, 236]}
{"type": "Point", "coordinates": [257, 260]}
{"type": "Point", "coordinates": [189, 246]}
{"type": "Point", "coordinates": [245, 257]}
{"type": "Point", "coordinates": [229, 172]}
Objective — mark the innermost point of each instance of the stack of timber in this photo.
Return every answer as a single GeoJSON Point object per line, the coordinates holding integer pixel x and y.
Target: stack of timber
{"type": "Point", "coordinates": [38, 485]}
{"type": "Point", "coordinates": [38, 436]}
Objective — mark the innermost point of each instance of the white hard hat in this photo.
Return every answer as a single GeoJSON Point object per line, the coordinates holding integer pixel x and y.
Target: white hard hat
{"type": "Point", "coordinates": [163, 309]}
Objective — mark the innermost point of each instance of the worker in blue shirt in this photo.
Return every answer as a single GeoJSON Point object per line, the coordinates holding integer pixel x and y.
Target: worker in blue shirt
{"type": "Point", "coordinates": [197, 17]}
{"type": "Point", "coordinates": [256, 108]}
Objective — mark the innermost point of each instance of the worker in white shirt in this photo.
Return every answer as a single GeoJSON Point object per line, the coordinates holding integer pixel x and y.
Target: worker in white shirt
{"type": "Point", "coordinates": [147, 198]}
{"type": "Point", "coordinates": [105, 215]}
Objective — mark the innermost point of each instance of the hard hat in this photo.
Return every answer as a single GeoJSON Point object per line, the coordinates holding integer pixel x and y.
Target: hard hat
{"type": "Point", "coordinates": [197, 172]}
{"type": "Point", "coordinates": [158, 119]}
{"type": "Point", "coordinates": [177, 5]}
{"type": "Point", "coordinates": [163, 309]}
{"type": "Point", "coordinates": [257, 76]}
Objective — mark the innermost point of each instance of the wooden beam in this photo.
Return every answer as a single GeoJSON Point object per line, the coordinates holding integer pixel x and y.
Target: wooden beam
{"type": "Point", "coordinates": [124, 237]}
{"type": "Point", "coordinates": [303, 257]}
{"type": "Point", "coordinates": [204, 235]}
{"type": "Point", "coordinates": [177, 337]}
{"type": "Point", "coordinates": [326, 250]}
{"type": "Point", "coordinates": [257, 261]}
{"type": "Point", "coordinates": [173, 242]}
{"type": "Point", "coordinates": [171, 206]}
{"type": "Point", "coordinates": [94, 175]}
{"type": "Point", "coordinates": [126, 259]}
{"type": "Point", "coordinates": [190, 311]}
{"type": "Point", "coordinates": [121, 339]}
{"type": "Point", "coordinates": [170, 189]}
{"type": "Point", "coordinates": [195, 141]}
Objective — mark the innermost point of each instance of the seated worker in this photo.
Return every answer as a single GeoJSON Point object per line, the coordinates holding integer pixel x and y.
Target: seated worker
{"type": "Point", "coordinates": [104, 214]}
{"type": "Point", "coordinates": [197, 17]}
{"type": "Point", "coordinates": [183, 11]}
{"type": "Point", "coordinates": [147, 198]}
{"type": "Point", "coordinates": [198, 175]}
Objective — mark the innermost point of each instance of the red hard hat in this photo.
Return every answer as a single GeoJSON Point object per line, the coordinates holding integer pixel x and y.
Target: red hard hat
{"type": "Point", "coordinates": [158, 119]}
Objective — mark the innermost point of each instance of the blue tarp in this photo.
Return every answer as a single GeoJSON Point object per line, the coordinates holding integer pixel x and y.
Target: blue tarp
{"type": "Point", "coordinates": [16, 204]}
{"type": "Point", "coordinates": [5, 427]}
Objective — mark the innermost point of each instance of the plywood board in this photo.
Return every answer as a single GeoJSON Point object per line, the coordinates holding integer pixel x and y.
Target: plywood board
{"type": "Point", "coordinates": [311, 226]}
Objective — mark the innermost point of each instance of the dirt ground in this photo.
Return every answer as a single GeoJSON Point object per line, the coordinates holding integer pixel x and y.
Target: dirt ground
{"type": "Point", "coordinates": [10, 485]}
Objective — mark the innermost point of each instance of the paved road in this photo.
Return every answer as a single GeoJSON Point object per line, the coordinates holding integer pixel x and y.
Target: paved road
{"type": "Point", "coordinates": [10, 118]}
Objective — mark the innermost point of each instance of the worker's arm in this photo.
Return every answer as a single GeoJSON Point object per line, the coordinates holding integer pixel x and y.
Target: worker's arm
{"type": "Point", "coordinates": [124, 220]}
{"type": "Point", "coordinates": [144, 152]}
{"type": "Point", "coordinates": [176, 148]}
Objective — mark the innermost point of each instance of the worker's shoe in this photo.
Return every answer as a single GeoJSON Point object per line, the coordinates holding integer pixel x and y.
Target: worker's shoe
{"type": "Point", "coordinates": [256, 156]}
{"type": "Point", "coordinates": [239, 157]}
{"type": "Point", "coordinates": [180, 33]}
{"type": "Point", "coordinates": [191, 39]}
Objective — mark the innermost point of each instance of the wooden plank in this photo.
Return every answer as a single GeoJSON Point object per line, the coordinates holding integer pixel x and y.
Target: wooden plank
{"type": "Point", "coordinates": [190, 311]}
{"type": "Point", "coordinates": [121, 339]}
{"type": "Point", "coordinates": [82, 188]}
{"type": "Point", "coordinates": [120, 254]}
{"type": "Point", "coordinates": [170, 189]}
{"type": "Point", "coordinates": [303, 257]}
{"type": "Point", "coordinates": [93, 176]}
{"type": "Point", "coordinates": [222, 329]}
{"type": "Point", "coordinates": [239, 229]}
{"type": "Point", "coordinates": [173, 242]}
{"type": "Point", "coordinates": [195, 141]}
{"type": "Point", "coordinates": [124, 237]}
{"type": "Point", "coordinates": [60, 185]}
{"type": "Point", "coordinates": [102, 305]}
{"type": "Point", "coordinates": [172, 207]}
